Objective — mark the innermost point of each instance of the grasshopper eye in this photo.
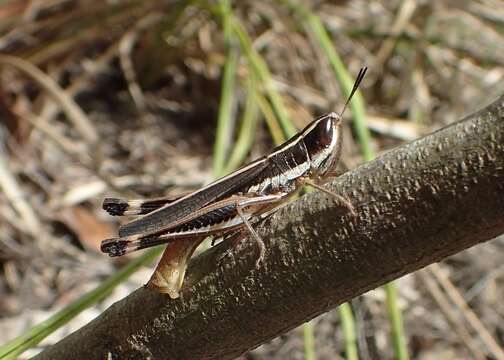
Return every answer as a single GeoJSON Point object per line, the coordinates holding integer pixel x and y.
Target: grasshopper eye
{"type": "Point", "coordinates": [319, 137]}
{"type": "Point", "coordinates": [322, 140]}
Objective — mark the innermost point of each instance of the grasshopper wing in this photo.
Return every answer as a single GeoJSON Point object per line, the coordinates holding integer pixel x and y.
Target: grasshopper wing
{"type": "Point", "coordinates": [164, 217]}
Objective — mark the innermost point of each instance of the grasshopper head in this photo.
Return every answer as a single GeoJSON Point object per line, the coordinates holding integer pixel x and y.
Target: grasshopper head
{"type": "Point", "coordinates": [322, 139]}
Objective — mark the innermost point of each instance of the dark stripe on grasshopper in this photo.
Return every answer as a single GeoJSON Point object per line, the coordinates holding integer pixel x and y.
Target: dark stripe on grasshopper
{"type": "Point", "coordinates": [123, 245]}
{"type": "Point", "coordinates": [215, 213]}
{"type": "Point", "coordinates": [165, 216]}
{"type": "Point", "coordinates": [215, 219]}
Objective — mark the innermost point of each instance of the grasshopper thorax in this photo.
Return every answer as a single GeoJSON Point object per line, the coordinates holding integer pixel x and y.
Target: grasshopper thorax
{"type": "Point", "coordinates": [322, 139]}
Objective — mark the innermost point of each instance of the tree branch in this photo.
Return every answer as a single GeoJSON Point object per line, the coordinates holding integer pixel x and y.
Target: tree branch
{"type": "Point", "coordinates": [415, 205]}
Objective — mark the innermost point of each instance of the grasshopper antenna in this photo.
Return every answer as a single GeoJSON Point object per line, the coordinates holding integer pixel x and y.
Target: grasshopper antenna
{"type": "Point", "coordinates": [358, 80]}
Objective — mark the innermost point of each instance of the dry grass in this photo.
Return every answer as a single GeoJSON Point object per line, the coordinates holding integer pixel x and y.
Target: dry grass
{"type": "Point", "coordinates": [128, 102]}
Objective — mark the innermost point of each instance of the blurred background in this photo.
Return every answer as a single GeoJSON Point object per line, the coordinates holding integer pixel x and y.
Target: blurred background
{"type": "Point", "coordinates": [150, 98]}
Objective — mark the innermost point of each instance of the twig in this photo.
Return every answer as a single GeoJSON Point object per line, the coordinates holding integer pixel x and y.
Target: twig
{"type": "Point", "coordinates": [416, 205]}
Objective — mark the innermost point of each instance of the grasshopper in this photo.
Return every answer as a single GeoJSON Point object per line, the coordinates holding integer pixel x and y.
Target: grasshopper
{"type": "Point", "coordinates": [229, 206]}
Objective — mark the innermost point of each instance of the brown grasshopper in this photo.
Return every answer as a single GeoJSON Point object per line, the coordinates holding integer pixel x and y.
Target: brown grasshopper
{"type": "Point", "coordinates": [230, 205]}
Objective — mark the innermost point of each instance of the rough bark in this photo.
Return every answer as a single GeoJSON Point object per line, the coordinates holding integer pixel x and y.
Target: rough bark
{"type": "Point", "coordinates": [415, 205]}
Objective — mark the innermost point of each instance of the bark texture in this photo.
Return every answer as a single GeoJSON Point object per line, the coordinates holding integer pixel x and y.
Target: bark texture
{"type": "Point", "coordinates": [415, 205]}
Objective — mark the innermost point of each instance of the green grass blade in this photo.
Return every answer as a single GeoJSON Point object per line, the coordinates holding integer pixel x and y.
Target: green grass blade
{"type": "Point", "coordinates": [349, 331]}
{"type": "Point", "coordinates": [224, 121]}
{"type": "Point", "coordinates": [259, 66]}
{"type": "Point", "coordinates": [36, 334]}
{"type": "Point", "coordinates": [277, 108]}
{"type": "Point", "coordinates": [315, 25]}
{"type": "Point", "coordinates": [246, 134]}
{"type": "Point", "coordinates": [309, 341]}
{"type": "Point", "coordinates": [273, 126]}
{"type": "Point", "coordinates": [395, 317]}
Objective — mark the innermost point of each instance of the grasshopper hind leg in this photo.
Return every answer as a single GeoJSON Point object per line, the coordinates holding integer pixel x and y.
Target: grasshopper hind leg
{"type": "Point", "coordinates": [170, 271]}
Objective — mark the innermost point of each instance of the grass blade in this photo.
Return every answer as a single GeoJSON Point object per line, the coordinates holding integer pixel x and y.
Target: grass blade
{"type": "Point", "coordinates": [248, 126]}
{"type": "Point", "coordinates": [36, 334]}
{"type": "Point", "coordinates": [348, 324]}
{"type": "Point", "coordinates": [259, 66]}
{"type": "Point", "coordinates": [309, 341]}
{"type": "Point", "coordinates": [315, 25]}
{"type": "Point", "coordinates": [395, 318]}
{"type": "Point", "coordinates": [274, 128]}
{"type": "Point", "coordinates": [224, 121]}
